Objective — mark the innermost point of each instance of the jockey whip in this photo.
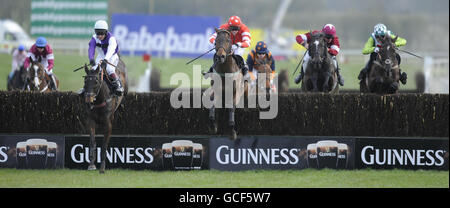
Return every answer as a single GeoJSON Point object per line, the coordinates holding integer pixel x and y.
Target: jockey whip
{"type": "Point", "coordinates": [85, 65]}
{"type": "Point", "coordinates": [200, 56]}
{"type": "Point", "coordinates": [78, 68]}
{"type": "Point", "coordinates": [299, 63]}
{"type": "Point", "coordinates": [410, 53]}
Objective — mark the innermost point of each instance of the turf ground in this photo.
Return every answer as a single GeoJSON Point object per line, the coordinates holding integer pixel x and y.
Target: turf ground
{"type": "Point", "coordinates": [72, 81]}
{"type": "Point", "coordinates": [308, 178]}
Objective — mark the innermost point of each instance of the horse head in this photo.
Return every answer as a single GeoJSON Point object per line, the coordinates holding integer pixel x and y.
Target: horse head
{"type": "Point", "coordinates": [35, 76]}
{"type": "Point", "coordinates": [222, 45]}
{"type": "Point", "coordinates": [264, 68]}
{"type": "Point", "coordinates": [387, 56]}
{"type": "Point", "coordinates": [92, 84]}
{"type": "Point", "coordinates": [317, 50]}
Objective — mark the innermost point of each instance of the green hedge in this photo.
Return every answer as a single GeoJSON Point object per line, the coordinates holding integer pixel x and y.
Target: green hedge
{"type": "Point", "coordinates": [298, 114]}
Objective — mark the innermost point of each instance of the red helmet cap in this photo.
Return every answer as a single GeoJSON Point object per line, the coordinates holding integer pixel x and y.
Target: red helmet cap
{"type": "Point", "coordinates": [234, 21]}
{"type": "Point", "coordinates": [329, 29]}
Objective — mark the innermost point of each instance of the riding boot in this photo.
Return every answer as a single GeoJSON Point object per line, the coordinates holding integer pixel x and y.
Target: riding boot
{"type": "Point", "coordinates": [117, 84]}
{"type": "Point", "coordinates": [340, 78]}
{"type": "Point", "coordinates": [362, 75]}
{"type": "Point", "coordinates": [403, 76]}
{"type": "Point", "coordinates": [299, 78]}
{"type": "Point", "coordinates": [241, 64]}
{"type": "Point", "coordinates": [52, 82]}
{"type": "Point", "coordinates": [211, 70]}
{"type": "Point", "coordinates": [10, 76]}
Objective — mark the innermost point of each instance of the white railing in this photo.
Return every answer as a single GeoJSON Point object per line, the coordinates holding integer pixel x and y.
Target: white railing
{"type": "Point", "coordinates": [436, 71]}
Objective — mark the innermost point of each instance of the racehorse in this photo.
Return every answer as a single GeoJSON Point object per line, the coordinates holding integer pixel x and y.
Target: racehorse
{"type": "Point", "coordinates": [17, 82]}
{"type": "Point", "coordinates": [262, 66]}
{"type": "Point", "coordinates": [226, 66]}
{"type": "Point", "coordinates": [320, 75]}
{"type": "Point", "coordinates": [37, 79]}
{"type": "Point", "coordinates": [101, 104]}
{"type": "Point", "coordinates": [384, 73]}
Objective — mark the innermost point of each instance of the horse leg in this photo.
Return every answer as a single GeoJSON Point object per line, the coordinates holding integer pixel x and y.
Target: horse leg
{"type": "Point", "coordinates": [212, 115]}
{"type": "Point", "coordinates": [393, 88]}
{"type": "Point", "coordinates": [232, 123]}
{"type": "Point", "coordinates": [325, 86]}
{"type": "Point", "coordinates": [314, 84]}
{"type": "Point", "coordinates": [92, 146]}
{"type": "Point", "coordinates": [105, 144]}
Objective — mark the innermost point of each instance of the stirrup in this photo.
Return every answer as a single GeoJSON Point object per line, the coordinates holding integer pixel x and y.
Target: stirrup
{"type": "Point", "coordinates": [340, 80]}
{"type": "Point", "coordinates": [299, 78]}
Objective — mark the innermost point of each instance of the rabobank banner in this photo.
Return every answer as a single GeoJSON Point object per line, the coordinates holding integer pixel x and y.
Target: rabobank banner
{"type": "Point", "coordinates": [164, 35]}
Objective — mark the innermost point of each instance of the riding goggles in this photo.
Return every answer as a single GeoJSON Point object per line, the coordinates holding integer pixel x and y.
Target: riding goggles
{"type": "Point", "coordinates": [234, 28]}
{"type": "Point", "coordinates": [328, 36]}
{"type": "Point", "coordinates": [100, 32]}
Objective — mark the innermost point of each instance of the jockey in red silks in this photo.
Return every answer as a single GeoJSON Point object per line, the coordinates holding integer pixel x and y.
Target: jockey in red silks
{"type": "Point", "coordinates": [43, 52]}
{"type": "Point", "coordinates": [333, 45]}
{"type": "Point", "coordinates": [240, 38]}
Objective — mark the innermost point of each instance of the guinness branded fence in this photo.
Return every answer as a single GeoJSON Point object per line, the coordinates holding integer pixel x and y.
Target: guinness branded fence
{"type": "Point", "coordinates": [245, 153]}
{"type": "Point", "coordinates": [31, 151]}
{"type": "Point", "coordinates": [412, 115]}
{"type": "Point", "coordinates": [141, 152]}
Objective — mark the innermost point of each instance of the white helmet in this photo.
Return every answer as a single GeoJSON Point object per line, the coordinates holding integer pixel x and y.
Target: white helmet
{"type": "Point", "coordinates": [101, 25]}
{"type": "Point", "coordinates": [380, 29]}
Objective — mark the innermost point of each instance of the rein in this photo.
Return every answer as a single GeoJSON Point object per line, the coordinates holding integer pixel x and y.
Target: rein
{"type": "Point", "coordinates": [103, 104]}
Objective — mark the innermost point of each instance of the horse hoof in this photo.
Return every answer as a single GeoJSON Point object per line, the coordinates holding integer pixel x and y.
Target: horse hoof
{"type": "Point", "coordinates": [92, 167]}
{"type": "Point", "coordinates": [233, 135]}
{"type": "Point", "coordinates": [102, 171]}
{"type": "Point", "coordinates": [213, 128]}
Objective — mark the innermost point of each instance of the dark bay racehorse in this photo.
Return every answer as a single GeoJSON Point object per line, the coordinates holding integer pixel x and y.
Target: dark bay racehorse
{"type": "Point", "coordinates": [226, 66]}
{"type": "Point", "coordinates": [17, 82]}
{"type": "Point", "coordinates": [101, 105]}
{"type": "Point", "coordinates": [37, 79]}
{"type": "Point", "coordinates": [384, 73]}
{"type": "Point", "coordinates": [320, 75]}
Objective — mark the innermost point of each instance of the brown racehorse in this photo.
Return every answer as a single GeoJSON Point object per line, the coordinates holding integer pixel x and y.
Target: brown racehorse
{"type": "Point", "coordinates": [384, 73]}
{"type": "Point", "coordinates": [101, 105]}
{"type": "Point", "coordinates": [226, 67]}
{"type": "Point", "coordinates": [37, 79]}
{"type": "Point", "coordinates": [262, 66]}
{"type": "Point", "coordinates": [320, 75]}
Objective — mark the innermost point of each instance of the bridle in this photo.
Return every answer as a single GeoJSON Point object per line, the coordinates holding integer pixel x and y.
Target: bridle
{"type": "Point", "coordinates": [98, 90]}
{"type": "Point", "coordinates": [228, 52]}
{"type": "Point", "coordinates": [386, 64]}
{"type": "Point", "coordinates": [37, 78]}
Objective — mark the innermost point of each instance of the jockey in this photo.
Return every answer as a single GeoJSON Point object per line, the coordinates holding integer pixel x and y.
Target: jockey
{"type": "Point", "coordinates": [372, 47]}
{"type": "Point", "coordinates": [106, 46]}
{"type": "Point", "coordinates": [240, 37]}
{"type": "Point", "coordinates": [333, 45]}
{"type": "Point", "coordinates": [260, 53]}
{"type": "Point", "coordinates": [43, 52]}
{"type": "Point", "coordinates": [18, 58]}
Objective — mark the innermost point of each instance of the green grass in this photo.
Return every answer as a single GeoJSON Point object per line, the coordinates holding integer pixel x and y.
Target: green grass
{"type": "Point", "coordinates": [327, 178]}
{"type": "Point", "coordinates": [72, 81]}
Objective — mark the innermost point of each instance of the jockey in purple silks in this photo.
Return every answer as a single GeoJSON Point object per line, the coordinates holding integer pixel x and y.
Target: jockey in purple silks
{"type": "Point", "coordinates": [107, 47]}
